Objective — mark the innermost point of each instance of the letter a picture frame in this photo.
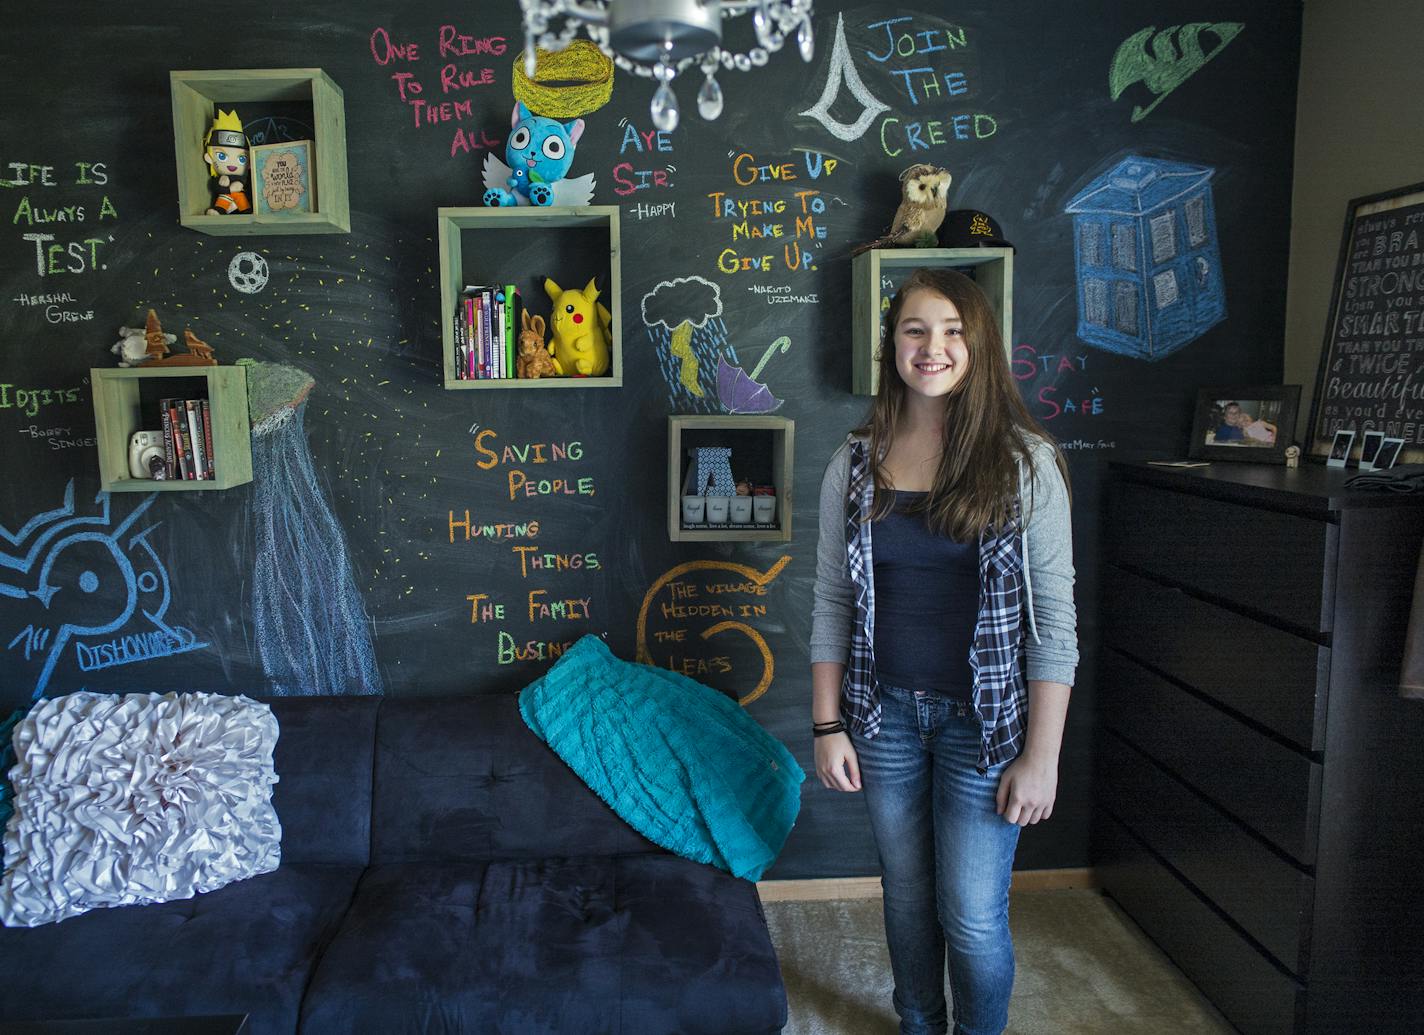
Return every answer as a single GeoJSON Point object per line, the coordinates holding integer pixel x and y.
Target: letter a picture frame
{"type": "Point", "coordinates": [1372, 347]}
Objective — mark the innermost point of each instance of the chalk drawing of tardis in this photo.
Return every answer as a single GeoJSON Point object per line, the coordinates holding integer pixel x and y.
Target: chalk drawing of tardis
{"type": "Point", "coordinates": [1145, 246]}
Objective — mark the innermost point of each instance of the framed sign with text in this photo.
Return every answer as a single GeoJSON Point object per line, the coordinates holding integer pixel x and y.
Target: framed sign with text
{"type": "Point", "coordinates": [1371, 375]}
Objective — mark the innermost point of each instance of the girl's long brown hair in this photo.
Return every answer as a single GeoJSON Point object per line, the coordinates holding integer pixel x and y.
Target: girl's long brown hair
{"type": "Point", "coordinates": [987, 427]}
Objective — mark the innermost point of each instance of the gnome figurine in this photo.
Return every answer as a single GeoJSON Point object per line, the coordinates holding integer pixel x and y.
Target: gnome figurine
{"type": "Point", "coordinates": [225, 152]}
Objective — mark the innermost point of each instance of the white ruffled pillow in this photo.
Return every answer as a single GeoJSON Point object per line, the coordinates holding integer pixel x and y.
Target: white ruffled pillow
{"type": "Point", "coordinates": [137, 798]}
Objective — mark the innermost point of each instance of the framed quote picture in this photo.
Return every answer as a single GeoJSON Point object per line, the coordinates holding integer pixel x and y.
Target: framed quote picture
{"type": "Point", "coordinates": [1252, 423]}
{"type": "Point", "coordinates": [1368, 379]}
{"type": "Point", "coordinates": [284, 178]}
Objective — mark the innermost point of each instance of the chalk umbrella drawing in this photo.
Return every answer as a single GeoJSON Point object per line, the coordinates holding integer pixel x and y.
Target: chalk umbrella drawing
{"type": "Point", "coordinates": [741, 392]}
{"type": "Point", "coordinates": [88, 582]}
{"type": "Point", "coordinates": [310, 624]}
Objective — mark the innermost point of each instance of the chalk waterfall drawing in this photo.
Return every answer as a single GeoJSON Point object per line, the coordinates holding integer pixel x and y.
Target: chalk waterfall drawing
{"type": "Point", "coordinates": [310, 624]}
{"type": "Point", "coordinates": [91, 578]}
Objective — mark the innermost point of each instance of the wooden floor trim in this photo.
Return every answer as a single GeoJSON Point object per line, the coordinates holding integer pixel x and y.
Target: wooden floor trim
{"type": "Point", "coordinates": [824, 889]}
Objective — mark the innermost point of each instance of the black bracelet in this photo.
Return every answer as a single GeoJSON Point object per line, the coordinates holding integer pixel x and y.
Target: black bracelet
{"type": "Point", "coordinates": [826, 729]}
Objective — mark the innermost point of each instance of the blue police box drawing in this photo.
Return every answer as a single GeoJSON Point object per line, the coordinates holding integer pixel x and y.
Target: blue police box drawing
{"type": "Point", "coordinates": [1148, 267]}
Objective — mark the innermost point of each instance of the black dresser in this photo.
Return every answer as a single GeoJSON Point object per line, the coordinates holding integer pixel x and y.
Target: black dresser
{"type": "Point", "coordinates": [1260, 783]}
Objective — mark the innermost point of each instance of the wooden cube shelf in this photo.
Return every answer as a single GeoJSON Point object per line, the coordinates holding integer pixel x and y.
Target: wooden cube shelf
{"type": "Point", "coordinates": [120, 408]}
{"type": "Point", "coordinates": [522, 246]}
{"type": "Point", "coordinates": [195, 96]}
{"type": "Point", "coordinates": [772, 437]}
{"type": "Point", "coordinates": [991, 268]}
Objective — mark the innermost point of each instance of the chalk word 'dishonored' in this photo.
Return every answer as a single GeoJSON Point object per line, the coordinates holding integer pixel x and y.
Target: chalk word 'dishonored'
{"type": "Point", "coordinates": [96, 578]}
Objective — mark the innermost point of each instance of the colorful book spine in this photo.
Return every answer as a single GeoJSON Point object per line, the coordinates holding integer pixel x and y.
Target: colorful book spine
{"type": "Point", "coordinates": [511, 303]}
{"type": "Point", "coordinates": [195, 435]}
{"type": "Point", "coordinates": [457, 343]}
{"type": "Point", "coordinates": [486, 327]}
{"type": "Point", "coordinates": [170, 466]}
{"type": "Point", "coordinates": [472, 326]}
{"type": "Point", "coordinates": [206, 410]}
{"type": "Point", "coordinates": [497, 334]}
{"type": "Point", "coordinates": [181, 450]}
{"type": "Point", "coordinates": [481, 366]}
{"type": "Point", "coordinates": [479, 362]}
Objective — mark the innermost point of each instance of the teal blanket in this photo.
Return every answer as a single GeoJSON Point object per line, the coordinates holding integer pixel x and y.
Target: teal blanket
{"type": "Point", "coordinates": [683, 765]}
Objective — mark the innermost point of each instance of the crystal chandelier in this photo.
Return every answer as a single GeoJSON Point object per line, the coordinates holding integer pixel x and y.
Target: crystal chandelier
{"type": "Point", "coordinates": [660, 38]}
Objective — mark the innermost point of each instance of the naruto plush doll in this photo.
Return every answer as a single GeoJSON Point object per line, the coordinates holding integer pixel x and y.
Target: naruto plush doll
{"type": "Point", "coordinates": [225, 151]}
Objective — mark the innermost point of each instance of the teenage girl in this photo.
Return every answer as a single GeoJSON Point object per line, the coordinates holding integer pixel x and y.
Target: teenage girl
{"type": "Point", "coordinates": [943, 643]}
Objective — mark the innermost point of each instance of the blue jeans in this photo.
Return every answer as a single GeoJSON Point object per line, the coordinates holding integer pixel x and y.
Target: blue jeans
{"type": "Point", "coordinates": [946, 857]}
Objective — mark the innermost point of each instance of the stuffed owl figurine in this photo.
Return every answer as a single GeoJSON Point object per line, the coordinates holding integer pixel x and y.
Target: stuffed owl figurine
{"type": "Point", "coordinates": [924, 196]}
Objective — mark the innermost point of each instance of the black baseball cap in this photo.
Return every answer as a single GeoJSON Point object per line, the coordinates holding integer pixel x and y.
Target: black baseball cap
{"type": "Point", "coordinates": [971, 228]}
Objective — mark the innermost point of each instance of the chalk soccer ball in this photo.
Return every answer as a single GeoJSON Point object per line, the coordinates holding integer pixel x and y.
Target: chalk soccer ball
{"type": "Point", "coordinates": [146, 455]}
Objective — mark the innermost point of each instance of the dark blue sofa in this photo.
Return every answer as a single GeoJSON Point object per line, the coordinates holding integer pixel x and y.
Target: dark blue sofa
{"type": "Point", "coordinates": [442, 871]}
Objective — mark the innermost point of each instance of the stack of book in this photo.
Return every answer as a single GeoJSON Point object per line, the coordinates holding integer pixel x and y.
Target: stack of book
{"type": "Point", "coordinates": [485, 322]}
{"type": "Point", "coordinates": [187, 439]}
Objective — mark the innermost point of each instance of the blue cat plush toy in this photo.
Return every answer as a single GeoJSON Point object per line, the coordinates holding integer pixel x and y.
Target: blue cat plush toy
{"type": "Point", "coordinates": [539, 152]}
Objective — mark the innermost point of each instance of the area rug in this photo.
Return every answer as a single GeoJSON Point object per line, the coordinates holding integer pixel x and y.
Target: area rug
{"type": "Point", "coordinates": [1083, 969]}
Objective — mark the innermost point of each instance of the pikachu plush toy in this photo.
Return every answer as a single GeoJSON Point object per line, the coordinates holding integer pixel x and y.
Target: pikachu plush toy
{"type": "Point", "coordinates": [581, 330]}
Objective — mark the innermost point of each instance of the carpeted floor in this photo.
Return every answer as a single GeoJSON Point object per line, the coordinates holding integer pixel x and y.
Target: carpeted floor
{"type": "Point", "coordinates": [1083, 967]}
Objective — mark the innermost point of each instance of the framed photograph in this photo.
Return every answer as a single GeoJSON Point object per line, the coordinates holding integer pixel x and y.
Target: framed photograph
{"type": "Point", "coordinates": [1388, 454]}
{"type": "Point", "coordinates": [283, 178]}
{"type": "Point", "coordinates": [1340, 449]}
{"type": "Point", "coordinates": [1370, 449]}
{"type": "Point", "coordinates": [1373, 338]}
{"type": "Point", "coordinates": [1252, 423]}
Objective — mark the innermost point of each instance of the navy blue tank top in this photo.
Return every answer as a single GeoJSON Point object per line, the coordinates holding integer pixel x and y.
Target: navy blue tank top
{"type": "Point", "coordinates": [926, 603]}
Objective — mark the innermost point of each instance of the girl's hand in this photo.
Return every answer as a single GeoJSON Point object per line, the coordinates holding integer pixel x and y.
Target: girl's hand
{"type": "Point", "coordinates": [836, 763]}
{"type": "Point", "coordinates": [1027, 789]}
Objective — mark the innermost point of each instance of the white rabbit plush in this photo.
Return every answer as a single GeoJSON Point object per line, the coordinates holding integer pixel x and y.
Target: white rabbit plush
{"type": "Point", "coordinates": [132, 347]}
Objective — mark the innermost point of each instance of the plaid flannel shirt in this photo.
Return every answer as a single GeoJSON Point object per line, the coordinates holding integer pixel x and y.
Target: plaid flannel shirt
{"type": "Point", "coordinates": [1000, 689]}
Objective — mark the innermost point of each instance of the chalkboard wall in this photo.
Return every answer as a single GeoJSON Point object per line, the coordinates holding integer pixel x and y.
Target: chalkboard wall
{"type": "Point", "coordinates": [380, 548]}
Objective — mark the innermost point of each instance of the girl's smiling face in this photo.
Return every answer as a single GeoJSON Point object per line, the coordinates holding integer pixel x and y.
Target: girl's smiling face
{"type": "Point", "coordinates": [931, 355]}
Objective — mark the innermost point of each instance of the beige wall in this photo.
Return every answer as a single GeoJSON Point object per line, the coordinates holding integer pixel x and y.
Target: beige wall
{"type": "Point", "coordinates": [1359, 130]}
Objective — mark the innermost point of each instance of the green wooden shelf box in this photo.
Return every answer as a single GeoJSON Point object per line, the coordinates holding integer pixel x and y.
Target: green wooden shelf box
{"type": "Point", "coordinates": [195, 97]}
{"type": "Point", "coordinates": [991, 268]}
{"type": "Point", "coordinates": [782, 433]}
{"type": "Point", "coordinates": [494, 225]}
{"type": "Point", "coordinates": [118, 414]}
